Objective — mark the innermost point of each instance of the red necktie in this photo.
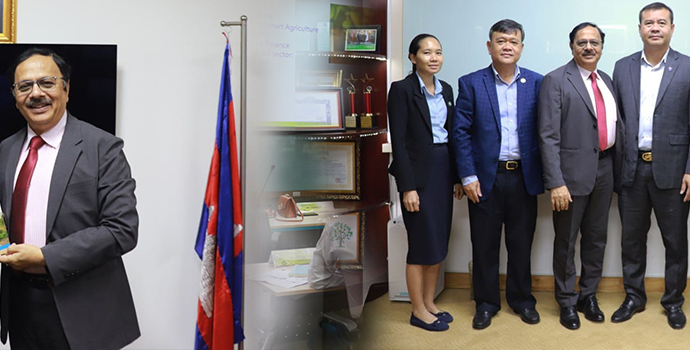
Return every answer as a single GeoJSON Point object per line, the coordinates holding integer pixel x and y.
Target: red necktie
{"type": "Point", "coordinates": [21, 191]}
{"type": "Point", "coordinates": [601, 112]}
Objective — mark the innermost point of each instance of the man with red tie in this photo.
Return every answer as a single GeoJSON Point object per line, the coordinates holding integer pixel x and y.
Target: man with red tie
{"type": "Point", "coordinates": [577, 132]}
{"type": "Point", "coordinates": [67, 190]}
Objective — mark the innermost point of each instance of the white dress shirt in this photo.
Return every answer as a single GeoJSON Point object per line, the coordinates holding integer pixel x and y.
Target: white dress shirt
{"type": "Point", "coordinates": [39, 188]}
{"type": "Point", "coordinates": [609, 102]}
{"type": "Point", "coordinates": [650, 80]}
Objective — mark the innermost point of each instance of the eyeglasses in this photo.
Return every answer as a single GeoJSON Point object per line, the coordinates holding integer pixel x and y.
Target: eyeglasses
{"type": "Point", "coordinates": [46, 84]}
{"type": "Point", "coordinates": [583, 43]}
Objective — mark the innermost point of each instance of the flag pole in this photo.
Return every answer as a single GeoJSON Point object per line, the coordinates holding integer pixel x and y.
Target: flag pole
{"type": "Point", "coordinates": [242, 23]}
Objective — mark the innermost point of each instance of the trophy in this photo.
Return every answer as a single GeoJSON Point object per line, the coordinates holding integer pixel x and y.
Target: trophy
{"type": "Point", "coordinates": [366, 120]}
{"type": "Point", "coordinates": [351, 119]}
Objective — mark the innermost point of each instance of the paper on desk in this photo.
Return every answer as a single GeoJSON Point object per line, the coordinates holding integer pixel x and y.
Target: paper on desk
{"type": "Point", "coordinates": [281, 278]}
{"type": "Point", "coordinates": [289, 257]}
{"type": "Point", "coordinates": [314, 207]}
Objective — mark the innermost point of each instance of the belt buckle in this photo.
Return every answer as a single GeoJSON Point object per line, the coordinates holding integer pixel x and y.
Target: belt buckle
{"type": "Point", "coordinates": [511, 165]}
{"type": "Point", "coordinates": [647, 156]}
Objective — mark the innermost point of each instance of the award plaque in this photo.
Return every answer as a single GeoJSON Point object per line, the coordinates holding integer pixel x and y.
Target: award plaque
{"type": "Point", "coordinates": [366, 120]}
{"type": "Point", "coordinates": [351, 119]}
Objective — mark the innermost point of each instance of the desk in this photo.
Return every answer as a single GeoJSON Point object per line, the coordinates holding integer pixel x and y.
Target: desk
{"type": "Point", "coordinates": [286, 315]}
{"type": "Point", "coordinates": [292, 315]}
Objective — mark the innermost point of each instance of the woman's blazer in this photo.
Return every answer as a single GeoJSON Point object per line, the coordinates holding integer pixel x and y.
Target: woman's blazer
{"type": "Point", "coordinates": [411, 136]}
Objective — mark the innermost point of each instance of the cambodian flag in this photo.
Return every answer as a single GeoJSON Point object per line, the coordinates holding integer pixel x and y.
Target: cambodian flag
{"type": "Point", "coordinates": [219, 241]}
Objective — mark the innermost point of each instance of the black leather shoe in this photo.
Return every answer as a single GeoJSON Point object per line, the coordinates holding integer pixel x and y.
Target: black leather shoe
{"type": "Point", "coordinates": [569, 318]}
{"type": "Point", "coordinates": [627, 310]}
{"type": "Point", "coordinates": [676, 318]}
{"type": "Point", "coordinates": [528, 315]}
{"type": "Point", "coordinates": [482, 319]}
{"type": "Point", "coordinates": [590, 307]}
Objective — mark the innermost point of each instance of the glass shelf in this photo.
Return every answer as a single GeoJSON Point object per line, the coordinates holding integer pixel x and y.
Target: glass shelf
{"type": "Point", "coordinates": [343, 55]}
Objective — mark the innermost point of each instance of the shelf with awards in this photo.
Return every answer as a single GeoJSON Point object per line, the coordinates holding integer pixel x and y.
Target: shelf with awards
{"type": "Point", "coordinates": [344, 165]}
{"type": "Point", "coordinates": [343, 56]}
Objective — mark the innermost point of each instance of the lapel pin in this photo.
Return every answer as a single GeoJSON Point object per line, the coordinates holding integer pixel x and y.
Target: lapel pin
{"type": "Point", "coordinates": [523, 80]}
{"type": "Point", "coordinates": [670, 69]}
{"type": "Point", "coordinates": [450, 103]}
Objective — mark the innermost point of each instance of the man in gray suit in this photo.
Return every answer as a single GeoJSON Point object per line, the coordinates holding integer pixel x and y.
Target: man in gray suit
{"type": "Point", "coordinates": [577, 132]}
{"type": "Point", "coordinates": [653, 88]}
{"type": "Point", "coordinates": [63, 280]}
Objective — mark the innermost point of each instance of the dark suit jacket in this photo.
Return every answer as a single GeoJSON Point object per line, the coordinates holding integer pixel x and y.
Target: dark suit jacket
{"type": "Point", "coordinates": [568, 135]}
{"type": "Point", "coordinates": [671, 139]}
{"type": "Point", "coordinates": [91, 221]}
{"type": "Point", "coordinates": [411, 136]}
{"type": "Point", "coordinates": [477, 129]}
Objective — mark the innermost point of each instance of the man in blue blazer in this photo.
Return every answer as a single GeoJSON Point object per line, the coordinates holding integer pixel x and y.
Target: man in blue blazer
{"type": "Point", "coordinates": [497, 157]}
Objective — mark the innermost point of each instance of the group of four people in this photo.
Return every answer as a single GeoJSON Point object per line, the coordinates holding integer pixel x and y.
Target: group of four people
{"type": "Point", "coordinates": [575, 132]}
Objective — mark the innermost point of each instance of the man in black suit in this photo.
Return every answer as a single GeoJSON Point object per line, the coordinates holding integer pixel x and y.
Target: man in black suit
{"type": "Point", "coordinates": [653, 87]}
{"type": "Point", "coordinates": [577, 132]}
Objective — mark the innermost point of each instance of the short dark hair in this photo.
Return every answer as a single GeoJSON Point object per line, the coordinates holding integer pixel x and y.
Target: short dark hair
{"type": "Point", "coordinates": [583, 25]}
{"type": "Point", "coordinates": [656, 6]}
{"type": "Point", "coordinates": [507, 26]}
{"type": "Point", "coordinates": [414, 46]}
{"type": "Point", "coordinates": [64, 67]}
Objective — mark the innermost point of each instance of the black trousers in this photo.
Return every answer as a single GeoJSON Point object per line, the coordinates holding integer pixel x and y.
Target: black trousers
{"type": "Point", "coordinates": [635, 204]}
{"type": "Point", "coordinates": [509, 204]}
{"type": "Point", "coordinates": [589, 216]}
{"type": "Point", "coordinates": [34, 319]}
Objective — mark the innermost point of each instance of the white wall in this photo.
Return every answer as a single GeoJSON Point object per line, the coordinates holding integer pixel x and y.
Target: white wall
{"type": "Point", "coordinates": [169, 64]}
{"type": "Point", "coordinates": [463, 29]}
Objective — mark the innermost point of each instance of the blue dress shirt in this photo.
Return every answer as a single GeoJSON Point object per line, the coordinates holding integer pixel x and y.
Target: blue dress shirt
{"type": "Point", "coordinates": [507, 104]}
{"type": "Point", "coordinates": [437, 109]}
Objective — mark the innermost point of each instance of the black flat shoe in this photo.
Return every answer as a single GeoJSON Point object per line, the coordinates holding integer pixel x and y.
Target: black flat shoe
{"type": "Point", "coordinates": [626, 310]}
{"type": "Point", "coordinates": [482, 319]}
{"type": "Point", "coordinates": [590, 307]}
{"type": "Point", "coordinates": [528, 315]}
{"type": "Point", "coordinates": [444, 316]}
{"type": "Point", "coordinates": [436, 326]}
{"type": "Point", "coordinates": [676, 318]}
{"type": "Point", "coordinates": [569, 318]}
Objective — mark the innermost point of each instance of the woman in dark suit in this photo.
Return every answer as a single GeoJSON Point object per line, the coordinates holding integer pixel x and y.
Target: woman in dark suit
{"type": "Point", "coordinates": [420, 109]}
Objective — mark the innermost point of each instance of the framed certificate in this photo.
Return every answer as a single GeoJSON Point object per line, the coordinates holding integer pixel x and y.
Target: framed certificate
{"type": "Point", "coordinates": [8, 21]}
{"type": "Point", "coordinates": [331, 167]}
{"type": "Point", "coordinates": [319, 109]}
{"type": "Point", "coordinates": [318, 170]}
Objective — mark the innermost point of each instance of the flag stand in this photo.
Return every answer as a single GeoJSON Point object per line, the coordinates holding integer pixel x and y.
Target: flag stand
{"type": "Point", "coordinates": [242, 23]}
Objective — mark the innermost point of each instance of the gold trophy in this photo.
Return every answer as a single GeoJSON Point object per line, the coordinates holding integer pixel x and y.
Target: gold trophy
{"type": "Point", "coordinates": [351, 119]}
{"type": "Point", "coordinates": [366, 120]}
